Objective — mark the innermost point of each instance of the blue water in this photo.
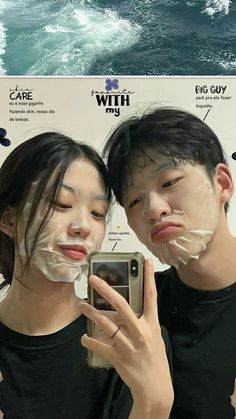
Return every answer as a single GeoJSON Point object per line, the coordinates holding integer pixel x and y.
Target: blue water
{"type": "Point", "coordinates": [133, 37]}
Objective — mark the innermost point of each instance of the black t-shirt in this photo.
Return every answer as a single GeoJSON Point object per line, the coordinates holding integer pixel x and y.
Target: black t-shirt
{"type": "Point", "coordinates": [202, 332]}
{"type": "Point", "coordinates": [47, 377]}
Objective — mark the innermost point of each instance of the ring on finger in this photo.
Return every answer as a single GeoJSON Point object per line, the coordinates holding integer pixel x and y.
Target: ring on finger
{"type": "Point", "coordinates": [117, 330]}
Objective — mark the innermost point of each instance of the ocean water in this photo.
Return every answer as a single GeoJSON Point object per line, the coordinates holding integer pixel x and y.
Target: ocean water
{"type": "Point", "coordinates": [131, 37]}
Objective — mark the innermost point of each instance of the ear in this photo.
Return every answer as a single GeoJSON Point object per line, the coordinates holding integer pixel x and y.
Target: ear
{"type": "Point", "coordinates": [8, 222]}
{"type": "Point", "coordinates": [224, 181]}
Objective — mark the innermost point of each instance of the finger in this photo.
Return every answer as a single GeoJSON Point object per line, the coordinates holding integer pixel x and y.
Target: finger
{"type": "Point", "coordinates": [106, 322]}
{"type": "Point", "coordinates": [116, 300]}
{"type": "Point", "coordinates": [100, 348]}
{"type": "Point", "coordinates": [110, 349]}
{"type": "Point", "coordinates": [150, 292]}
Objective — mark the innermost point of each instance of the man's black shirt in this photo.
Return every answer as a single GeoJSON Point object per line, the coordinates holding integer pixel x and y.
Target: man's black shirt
{"type": "Point", "coordinates": [202, 332]}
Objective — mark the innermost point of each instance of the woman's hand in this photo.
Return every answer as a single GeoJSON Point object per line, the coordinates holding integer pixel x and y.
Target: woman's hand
{"type": "Point", "coordinates": [136, 350]}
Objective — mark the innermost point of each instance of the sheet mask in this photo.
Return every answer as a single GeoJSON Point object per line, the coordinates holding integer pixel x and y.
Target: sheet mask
{"type": "Point", "coordinates": [47, 256]}
{"type": "Point", "coordinates": [199, 205]}
{"type": "Point", "coordinates": [52, 262]}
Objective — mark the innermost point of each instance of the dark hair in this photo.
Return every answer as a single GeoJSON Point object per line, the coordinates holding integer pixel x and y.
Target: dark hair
{"type": "Point", "coordinates": [102, 267]}
{"type": "Point", "coordinates": [42, 158]}
{"type": "Point", "coordinates": [172, 132]}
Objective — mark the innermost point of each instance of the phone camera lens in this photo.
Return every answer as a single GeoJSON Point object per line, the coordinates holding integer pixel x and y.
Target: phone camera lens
{"type": "Point", "coordinates": [134, 268]}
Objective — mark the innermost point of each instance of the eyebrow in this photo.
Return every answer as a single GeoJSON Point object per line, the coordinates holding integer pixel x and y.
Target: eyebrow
{"type": "Point", "coordinates": [168, 164]}
{"type": "Point", "coordinates": [164, 166]}
{"type": "Point", "coordinates": [76, 193]}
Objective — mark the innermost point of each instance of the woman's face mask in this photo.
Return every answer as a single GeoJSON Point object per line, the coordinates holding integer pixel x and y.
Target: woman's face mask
{"type": "Point", "coordinates": [173, 209]}
{"type": "Point", "coordinates": [75, 228]}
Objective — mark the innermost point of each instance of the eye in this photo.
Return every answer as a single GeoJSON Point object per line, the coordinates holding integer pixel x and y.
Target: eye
{"type": "Point", "coordinates": [171, 182]}
{"type": "Point", "coordinates": [61, 205]}
{"type": "Point", "coordinates": [135, 202]}
{"type": "Point", "coordinates": [98, 215]}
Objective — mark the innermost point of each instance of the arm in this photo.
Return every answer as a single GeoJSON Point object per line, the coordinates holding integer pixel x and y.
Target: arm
{"type": "Point", "coordinates": [137, 350]}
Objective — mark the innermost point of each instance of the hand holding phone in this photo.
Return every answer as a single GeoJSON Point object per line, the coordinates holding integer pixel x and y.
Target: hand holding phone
{"type": "Point", "coordinates": [124, 273]}
{"type": "Point", "coordinates": [137, 350]}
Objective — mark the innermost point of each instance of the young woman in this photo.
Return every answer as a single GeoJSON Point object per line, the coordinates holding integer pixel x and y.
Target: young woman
{"type": "Point", "coordinates": [54, 198]}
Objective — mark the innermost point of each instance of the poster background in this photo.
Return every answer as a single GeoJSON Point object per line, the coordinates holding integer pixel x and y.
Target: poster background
{"type": "Point", "coordinates": [88, 108]}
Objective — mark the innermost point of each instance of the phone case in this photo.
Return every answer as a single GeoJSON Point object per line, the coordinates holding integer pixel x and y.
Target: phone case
{"type": "Point", "coordinates": [124, 272]}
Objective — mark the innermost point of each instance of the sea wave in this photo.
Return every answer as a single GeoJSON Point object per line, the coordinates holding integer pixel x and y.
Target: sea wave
{"type": "Point", "coordinates": [3, 5]}
{"type": "Point", "coordinates": [83, 37]}
{"type": "Point", "coordinates": [78, 36]}
{"type": "Point", "coordinates": [3, 42]}
{"type": "Point", "coordinates": [223, 58]}
{"type": "Point", "coordinates": [2, 49]}
{"type": "Point", "coordinates": [228, 65]}
{"type": "Point", "coordinates": [217, 7]}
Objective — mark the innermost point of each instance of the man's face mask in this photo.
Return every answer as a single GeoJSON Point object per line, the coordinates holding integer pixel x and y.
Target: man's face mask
{"type": "Point", "coordinates": [173, 209]}
{"type": "Point", "coordinates": [75, 227]}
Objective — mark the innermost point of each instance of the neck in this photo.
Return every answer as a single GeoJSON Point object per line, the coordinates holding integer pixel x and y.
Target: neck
{"type": "Point", "coordinates": [215, 269]}
{"type": "Point", "coordinates": [37, 306]}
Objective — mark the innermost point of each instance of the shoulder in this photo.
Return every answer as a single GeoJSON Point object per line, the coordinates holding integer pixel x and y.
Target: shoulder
{"type": "Point", "coordinates": [163, 278]}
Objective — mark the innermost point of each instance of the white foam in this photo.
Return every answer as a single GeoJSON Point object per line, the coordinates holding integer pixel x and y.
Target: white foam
{"type": "Point", "coordinates": [80, 36]}
{"type": "Point", "coordinates": [4, 4]}
{"type": "Point", "coordinates": [228, 65]}
{"type": "Point", "coordinates": [223, 58]}
{"type": "Point", "coordinates": [106, 29]}
{"type": "Point", "coordinates": [217, 6]}
{"type": "Point", "coordinates": [2, 48]}
{"type": "Point", "coordinates": [53, 29]}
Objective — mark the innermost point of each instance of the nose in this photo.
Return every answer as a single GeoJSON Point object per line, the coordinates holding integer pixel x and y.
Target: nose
{"type": "Point", "coordinates": [81, 228]}
{"type": "Point", "coordinates": [156, 206]}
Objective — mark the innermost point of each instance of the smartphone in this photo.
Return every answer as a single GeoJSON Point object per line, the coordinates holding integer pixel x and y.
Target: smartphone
{"type": "Point", "coordinates": [124, 273]}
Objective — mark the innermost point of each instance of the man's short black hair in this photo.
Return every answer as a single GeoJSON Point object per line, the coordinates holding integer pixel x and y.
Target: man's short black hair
{"type": "Point", "coordinates": [171, 132]}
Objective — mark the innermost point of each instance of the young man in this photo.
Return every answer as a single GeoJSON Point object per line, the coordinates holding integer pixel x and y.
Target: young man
{"type": "Point", "coordinates": [168, 170]}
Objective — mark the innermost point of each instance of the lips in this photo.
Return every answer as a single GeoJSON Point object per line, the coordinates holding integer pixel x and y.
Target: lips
{"type": "Point", "coordinates": [165, 229]}
{"type": "Point", "coordinates": [73, 251]}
